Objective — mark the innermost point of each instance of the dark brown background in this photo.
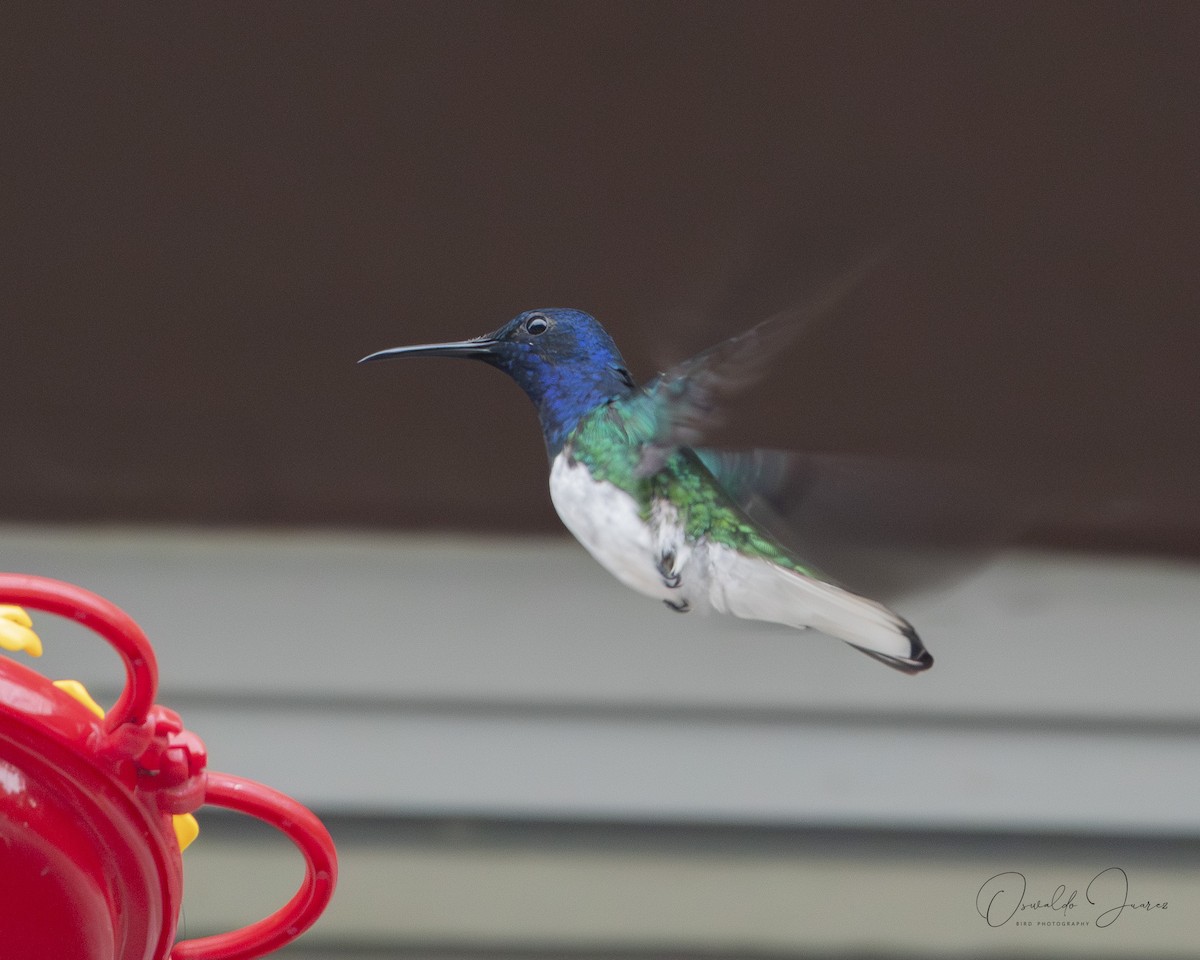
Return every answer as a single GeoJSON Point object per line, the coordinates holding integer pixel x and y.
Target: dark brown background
{"type": "Point", "coordinates": [209, 211]}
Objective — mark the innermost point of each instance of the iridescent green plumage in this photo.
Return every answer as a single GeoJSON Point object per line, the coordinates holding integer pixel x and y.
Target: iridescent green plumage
{"type": "Point", "coordinates": [611, 443]}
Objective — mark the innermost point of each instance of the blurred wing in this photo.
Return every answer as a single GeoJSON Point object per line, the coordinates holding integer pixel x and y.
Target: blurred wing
{"type": "Point", "coordinates": [754, 477]}
{"type": "Point", "coordinates": [883, 528]}
{"type": "Point", "coordinates": [686, 403]}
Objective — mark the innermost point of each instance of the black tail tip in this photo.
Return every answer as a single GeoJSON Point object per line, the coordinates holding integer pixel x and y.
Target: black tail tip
{"type": "Point", "coordinates": [918, 660]}
{"type": "Point", "coordinates": [921, 662]}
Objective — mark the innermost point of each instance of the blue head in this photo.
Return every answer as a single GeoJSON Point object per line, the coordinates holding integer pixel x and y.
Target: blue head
{"type": "Point", "coordinates": [563, 359]}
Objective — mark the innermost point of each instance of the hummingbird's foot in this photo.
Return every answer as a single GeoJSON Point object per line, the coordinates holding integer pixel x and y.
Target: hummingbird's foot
{"type": "Point", "coordinates": [667, 570]}
{"type": "Point", "coordinates": [681, 606]}
{"type": "Point", "coordinates": [16, 631]}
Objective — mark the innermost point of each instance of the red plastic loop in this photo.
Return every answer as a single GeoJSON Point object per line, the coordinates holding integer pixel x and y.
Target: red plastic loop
{"type": "Point", "coordinates": [106, 619]}
{"type": "Point", "coordinates": [320, 875]}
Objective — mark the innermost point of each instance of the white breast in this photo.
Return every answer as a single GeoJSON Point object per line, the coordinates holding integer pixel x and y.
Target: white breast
{"type": "Point", "coordinates": [606, 520]}
{"type": "Point", "coordinates": [708, 576]}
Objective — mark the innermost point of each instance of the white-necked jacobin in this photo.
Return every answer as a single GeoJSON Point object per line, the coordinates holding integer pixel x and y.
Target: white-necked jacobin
{"type": "Point", "coordinates": [662, 514]}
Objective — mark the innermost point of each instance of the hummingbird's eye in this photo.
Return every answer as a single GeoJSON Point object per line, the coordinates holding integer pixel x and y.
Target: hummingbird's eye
{"type": "Point", "coordinates": [536, 325]}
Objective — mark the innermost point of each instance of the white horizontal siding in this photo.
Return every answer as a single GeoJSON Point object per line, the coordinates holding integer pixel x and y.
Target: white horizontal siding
{"type": "Point", "coordinates": [402, 674]}
{"type": "Point", "coordinates": [477, 898]}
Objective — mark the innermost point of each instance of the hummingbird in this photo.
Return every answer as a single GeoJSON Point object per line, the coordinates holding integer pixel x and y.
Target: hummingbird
{"type": "Point", "coordinates": [665, 515]}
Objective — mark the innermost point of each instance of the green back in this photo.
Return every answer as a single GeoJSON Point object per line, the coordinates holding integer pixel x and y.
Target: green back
{"type": "Point", "coordinates": [610, 442]}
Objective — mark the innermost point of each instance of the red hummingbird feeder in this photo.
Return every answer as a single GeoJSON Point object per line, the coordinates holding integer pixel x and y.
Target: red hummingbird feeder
{"type": "Point", "coordinates": [95, 807]}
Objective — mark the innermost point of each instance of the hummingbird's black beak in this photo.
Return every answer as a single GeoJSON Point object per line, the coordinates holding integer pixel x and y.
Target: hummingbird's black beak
{"type": "Point", "coordinates": [478, 349]}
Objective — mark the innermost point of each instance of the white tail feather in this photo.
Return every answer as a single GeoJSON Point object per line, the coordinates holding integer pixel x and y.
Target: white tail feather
{"type": "Point", "coordinates": [756, 589]}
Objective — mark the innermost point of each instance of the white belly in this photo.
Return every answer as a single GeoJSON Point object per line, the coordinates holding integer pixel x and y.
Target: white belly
{"type": "Point", "coordinates": [709, 576]}
{"type": "Point", "coordinates": [606, 520]}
